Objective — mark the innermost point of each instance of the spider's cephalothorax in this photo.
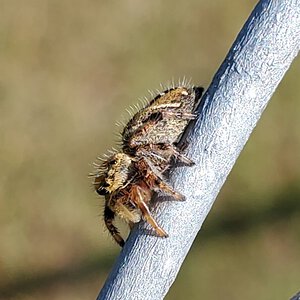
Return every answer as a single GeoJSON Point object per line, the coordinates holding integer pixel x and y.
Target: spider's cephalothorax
{"type": "Point", "coordinates": [129, 179]}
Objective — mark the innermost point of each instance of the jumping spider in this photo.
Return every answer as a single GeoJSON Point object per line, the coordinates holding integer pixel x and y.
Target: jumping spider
{"type": "Point", "coordinates": [129, 178]}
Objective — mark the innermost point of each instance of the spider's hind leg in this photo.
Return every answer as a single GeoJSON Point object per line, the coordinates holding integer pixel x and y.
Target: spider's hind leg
{"type": "Point", "coordinates": [177, 153]}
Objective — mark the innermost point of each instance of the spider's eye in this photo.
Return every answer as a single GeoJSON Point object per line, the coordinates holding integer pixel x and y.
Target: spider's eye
{"type": "Point", "coordinates": [112, 162]}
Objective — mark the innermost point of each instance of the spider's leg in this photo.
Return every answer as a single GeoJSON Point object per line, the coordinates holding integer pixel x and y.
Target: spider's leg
{"type": "Point", "coordinates": [180, 115]}
{"type": "Point", "coordinates": [162, 186]}
{"type": "Point", "coordinates": [140, 203]}
{"type": "Point", "coordinates": [178, 154]}
{"type": "Point", "coordinates": [164, 152]}
{"type": "Point", "coordinates": [109, 216]}
{"type": "Point", "coordinates": [156, 181]}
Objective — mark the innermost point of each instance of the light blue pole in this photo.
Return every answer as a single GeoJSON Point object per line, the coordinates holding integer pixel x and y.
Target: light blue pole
{"type": "Point", "coordinates": [234, 102]}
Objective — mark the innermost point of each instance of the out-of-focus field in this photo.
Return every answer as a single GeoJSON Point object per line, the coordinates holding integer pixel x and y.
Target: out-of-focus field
{"type": "Point", "coordinates": [68, 71]}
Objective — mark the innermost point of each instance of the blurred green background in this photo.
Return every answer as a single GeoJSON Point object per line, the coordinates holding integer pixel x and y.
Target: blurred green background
{"type": "Point", "coordinates": [69, 69]}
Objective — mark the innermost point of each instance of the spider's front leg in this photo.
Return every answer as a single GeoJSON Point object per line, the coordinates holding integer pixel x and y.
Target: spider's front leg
{"type": "Point", "coordinates": [109, 216]}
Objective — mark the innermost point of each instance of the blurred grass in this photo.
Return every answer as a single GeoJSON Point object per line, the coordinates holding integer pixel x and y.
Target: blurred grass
{"type": "Point", "coordinates": [68, 71]}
